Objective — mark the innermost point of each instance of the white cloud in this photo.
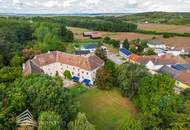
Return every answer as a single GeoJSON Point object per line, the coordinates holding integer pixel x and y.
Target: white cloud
{"type": "Point", "coordinates": [93, 6]}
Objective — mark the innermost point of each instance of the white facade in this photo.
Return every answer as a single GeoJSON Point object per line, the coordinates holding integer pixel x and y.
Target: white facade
{"type": "Point", "coordinates": [60, 68]}
{"type": "Point", "coordinates": [162, 46]}
{"type": "Point", "coordinates": [151, 66]}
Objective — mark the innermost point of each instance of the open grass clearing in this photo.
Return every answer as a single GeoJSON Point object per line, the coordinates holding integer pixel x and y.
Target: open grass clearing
{"type": "Point", "coordinates": [106, 109]}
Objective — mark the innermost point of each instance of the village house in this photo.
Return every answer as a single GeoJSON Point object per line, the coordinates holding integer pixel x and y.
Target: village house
{"type": "Point", "coordinates": [124, 53]}
{"type": "Point", "coordinates": [82, 68]}
{"type": "Point", "coordinates": [156, 44]}
{"type": "Point", "coordinates": [133, 58]}
{"type": "Point", "coordinates": [89, 47]}
{"type": "Point", "coordinates": [182, 81]}
{"type": "Point", "coordinates": [154, 63]}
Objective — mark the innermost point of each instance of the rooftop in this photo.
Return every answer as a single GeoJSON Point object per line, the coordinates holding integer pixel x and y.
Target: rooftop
{"type": "Point", "coordinates": [169, 70]}
{"type": "Point", "coordinates": [183, 77]}
{"type": "Point", "coordinates": [166, 59]}
{"type": "Point", "coordinates": [125, 51]}
{"type": "Point", "coordinates": [133, 57]}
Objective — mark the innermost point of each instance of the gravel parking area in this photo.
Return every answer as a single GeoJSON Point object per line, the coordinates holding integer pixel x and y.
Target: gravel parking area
{"type": "Point", "coordinates": [68, 83]}
{"type": "Point", "coordinates": [115, 58]}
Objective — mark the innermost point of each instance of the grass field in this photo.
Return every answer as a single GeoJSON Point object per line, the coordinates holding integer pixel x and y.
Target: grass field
{"type": "Point", "coordinates": [106, 109]}
{"type": "Point", "coordinates": [164, 28]}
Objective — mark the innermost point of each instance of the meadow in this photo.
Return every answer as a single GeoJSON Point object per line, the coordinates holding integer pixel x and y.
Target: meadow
{"type": "Point", "coordinates": [107, 110]}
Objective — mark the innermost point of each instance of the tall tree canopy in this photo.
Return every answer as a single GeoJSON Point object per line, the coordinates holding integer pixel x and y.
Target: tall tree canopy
{"type": "Point", "coordinates": [37, 93]}
{"type": "Point", "coordinates": [81, 123]}
{"type": "Point", "coordinates": [158, 101]}
{"type": "Point", "coordinates": [128, 78]}
{"type": "Point", "coordinates": [49, 121]}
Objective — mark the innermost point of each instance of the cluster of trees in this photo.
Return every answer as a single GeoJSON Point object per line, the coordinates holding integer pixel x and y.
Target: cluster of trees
{"type": "Point", "coordinates": [17, 34]}
{"type": "Point", "coordinates": [116, 43]}
{"type": "Point", "coordinates": [50, 36]}
{"type": "Point", "coordinates": [38, 93]}
{"type": "Point", "coordinates": [100, 25]}
{"type": "Point", "coordinates": [154, 95]}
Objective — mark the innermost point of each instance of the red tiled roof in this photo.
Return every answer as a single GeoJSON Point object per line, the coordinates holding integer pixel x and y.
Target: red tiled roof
{"type": "Point", "coordinates": [133, 57]}
{"type": "Point", "coordinates": [162, 60]}
{"type": "Point", "coordinates": [183, 77]}
{"type": "Point", "coordinates": [87, 63]}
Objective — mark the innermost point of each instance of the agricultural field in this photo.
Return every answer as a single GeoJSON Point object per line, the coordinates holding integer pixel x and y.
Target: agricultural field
{"type": "Point", "coordinates": [106, 109]}
{"type": "Point", "coordinates": [164, 28]}
{"type": "Point", "coordinates": [179, 42]}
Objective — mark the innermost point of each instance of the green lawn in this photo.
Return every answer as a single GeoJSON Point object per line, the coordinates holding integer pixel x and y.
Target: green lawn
{"type": "Point", "coordinates": [106, 109]}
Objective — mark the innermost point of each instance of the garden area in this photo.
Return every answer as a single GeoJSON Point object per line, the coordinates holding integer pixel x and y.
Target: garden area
{"type": "Point", "coordinates": [107, 110]}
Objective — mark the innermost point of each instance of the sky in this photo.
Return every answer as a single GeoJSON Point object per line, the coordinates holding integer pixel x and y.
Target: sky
{"type": "Point", "coordinates": [92, 6]}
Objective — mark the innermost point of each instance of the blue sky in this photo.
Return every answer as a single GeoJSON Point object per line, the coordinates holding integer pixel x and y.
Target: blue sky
{"type": "Point", "coordinates": [92, 6]}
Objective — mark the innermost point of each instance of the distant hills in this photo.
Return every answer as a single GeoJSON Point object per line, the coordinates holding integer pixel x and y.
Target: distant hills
{"type": "Point", "coordinates": [71, 14]}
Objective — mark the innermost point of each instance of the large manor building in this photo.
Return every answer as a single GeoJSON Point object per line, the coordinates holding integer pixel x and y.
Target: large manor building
{"type": "Point", "coordinates": [52, 63]}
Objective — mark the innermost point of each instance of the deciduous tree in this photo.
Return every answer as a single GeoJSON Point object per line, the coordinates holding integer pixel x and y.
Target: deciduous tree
{"type": "Point", "coordinates": [81, 123]}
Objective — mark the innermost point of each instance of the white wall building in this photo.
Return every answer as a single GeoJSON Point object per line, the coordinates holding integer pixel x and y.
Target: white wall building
{"type": "Point", "coordinates": [53, 63]}
{"type": "Point", "coordinates": [156, 44]}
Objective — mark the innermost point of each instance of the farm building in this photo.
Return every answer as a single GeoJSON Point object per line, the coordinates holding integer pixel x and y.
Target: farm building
{"type": "Point", "coordinates": [92, 35]}
{"type": "Point", "coordinates": [95, 35]}
{"type": "Point", "coordinates": [81, 68]}
{"type": "Point", "coordinates": [87, 34]}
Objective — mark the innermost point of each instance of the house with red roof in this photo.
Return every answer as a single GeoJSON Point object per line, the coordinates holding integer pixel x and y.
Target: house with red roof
{"type": "Point", "coordinates": [82, 68]}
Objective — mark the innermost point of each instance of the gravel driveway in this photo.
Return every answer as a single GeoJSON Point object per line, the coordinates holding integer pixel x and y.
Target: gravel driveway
{"type": "Point", "coordinates": [115, 58]}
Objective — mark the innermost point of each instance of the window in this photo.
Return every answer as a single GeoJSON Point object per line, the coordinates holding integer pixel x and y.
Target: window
{"type": "Point", "coordinates": [86, 73]}
{"type": "Point", "coordinates": [83, 72]}
{"type": "Point", "coordinates": [72, 73]}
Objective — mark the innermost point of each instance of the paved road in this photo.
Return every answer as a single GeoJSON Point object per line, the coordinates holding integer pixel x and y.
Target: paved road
{"type": "Point", "coordinates": [113, 57]}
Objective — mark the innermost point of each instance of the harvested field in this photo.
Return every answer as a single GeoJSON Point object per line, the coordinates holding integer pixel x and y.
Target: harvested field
{"type": "Point", "coordinates": [129, 36]}
{"type": "Point", "coordinates": [179, 42]}
{"type": "Point", "coordinates": [164, 28]}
